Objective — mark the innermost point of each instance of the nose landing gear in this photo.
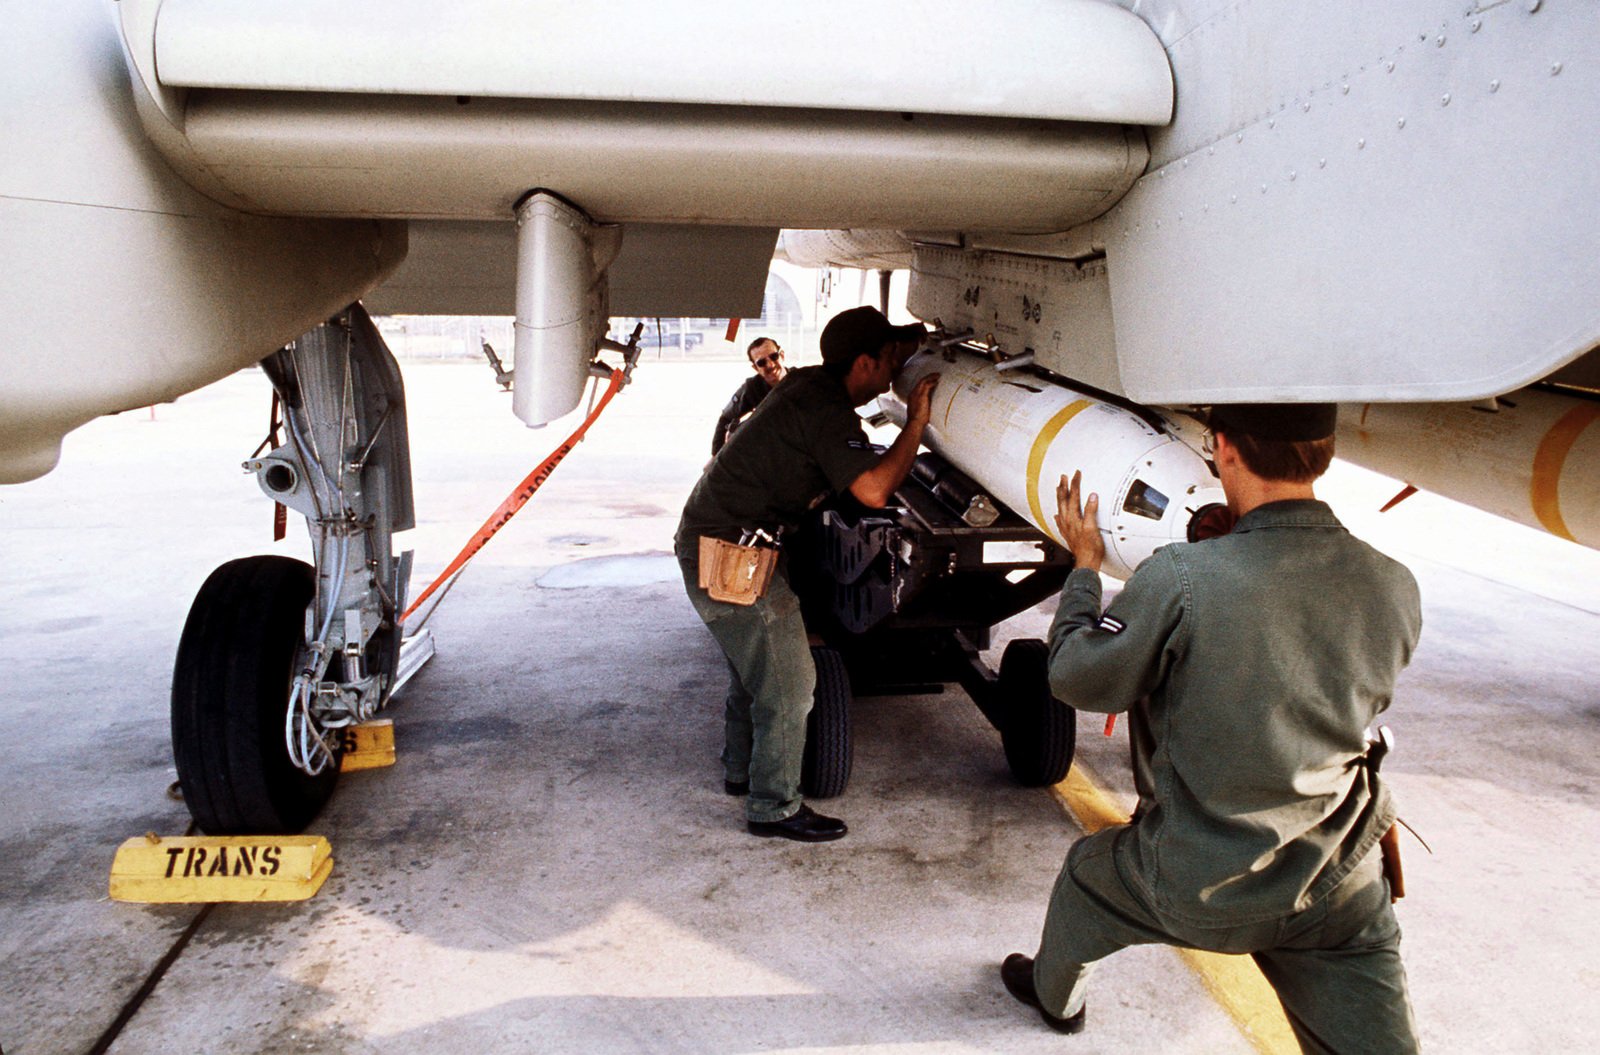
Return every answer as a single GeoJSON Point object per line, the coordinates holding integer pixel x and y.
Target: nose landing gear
{"type": "Point", "coordinates": [278, 656]}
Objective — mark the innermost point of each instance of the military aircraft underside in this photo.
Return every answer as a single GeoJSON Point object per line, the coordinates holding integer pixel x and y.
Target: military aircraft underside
{"type": "Point", "coordinates": [1139, 207]}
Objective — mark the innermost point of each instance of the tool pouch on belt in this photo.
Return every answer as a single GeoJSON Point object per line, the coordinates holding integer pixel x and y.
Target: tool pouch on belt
{"type": "Point", "coordinates": [735, 574]}
{"type": "Point", "coordinates": [1390, 847]}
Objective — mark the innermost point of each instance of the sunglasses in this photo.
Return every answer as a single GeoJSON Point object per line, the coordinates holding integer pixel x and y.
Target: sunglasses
{"type": "Point", "coordinates": [772, 357]}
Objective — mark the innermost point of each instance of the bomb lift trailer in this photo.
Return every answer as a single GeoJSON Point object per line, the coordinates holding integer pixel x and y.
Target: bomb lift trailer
{"type": "Point", "coordinates": [904, 600]}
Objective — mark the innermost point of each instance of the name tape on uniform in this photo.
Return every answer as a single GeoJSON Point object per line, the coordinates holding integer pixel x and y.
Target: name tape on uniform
{"type": "Point", "coordinates": [369, 745]}
{"type": "Point", "coordinates": [197, 868]}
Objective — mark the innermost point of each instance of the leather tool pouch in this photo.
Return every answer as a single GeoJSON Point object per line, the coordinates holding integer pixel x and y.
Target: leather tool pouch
{"type": "Point", "coordinates": [1390, 845]}
{"type": "Point", "coordinates": [735, 574]}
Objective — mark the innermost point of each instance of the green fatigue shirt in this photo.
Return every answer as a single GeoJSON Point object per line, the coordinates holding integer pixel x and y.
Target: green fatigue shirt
{"type": "Point", "coordinates": [1255, 663]}
{"type": "Point", "coordinates": [746, 398]}
{"type": "Point", "coordinates": [803, 442]}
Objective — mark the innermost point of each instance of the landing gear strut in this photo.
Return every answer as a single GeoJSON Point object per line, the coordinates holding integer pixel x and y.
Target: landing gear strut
{"type": "Point", "coordinates": [278, 656]}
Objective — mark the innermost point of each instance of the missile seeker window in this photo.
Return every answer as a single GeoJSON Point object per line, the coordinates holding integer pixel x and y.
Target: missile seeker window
{"type": "Point", "coordinates": [1145, 501]}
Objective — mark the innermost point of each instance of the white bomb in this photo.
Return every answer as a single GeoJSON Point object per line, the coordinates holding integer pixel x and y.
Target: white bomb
{"type": "Point", "coordinates": [1017, 434]}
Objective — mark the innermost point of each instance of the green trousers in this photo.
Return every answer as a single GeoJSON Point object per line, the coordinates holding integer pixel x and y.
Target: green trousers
{"type": "Point", "coordinates": [771, 680]}
{"type": "Point", "coordinates": [1335, 966]}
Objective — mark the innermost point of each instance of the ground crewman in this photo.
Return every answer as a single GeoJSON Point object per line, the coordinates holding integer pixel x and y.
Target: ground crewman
{"type": "Point", "coordinates": [805, 443]}
{"type": "Point", "coordinates": [766, 359]}
{"type": "Point", "coordinates": [1254, 664]}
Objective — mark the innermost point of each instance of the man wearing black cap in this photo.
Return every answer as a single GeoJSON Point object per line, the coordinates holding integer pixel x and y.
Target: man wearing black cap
{"type": "Point", "coordinates": [804, 443]}
{"type": "Point", "coordinates": [1253, 665]}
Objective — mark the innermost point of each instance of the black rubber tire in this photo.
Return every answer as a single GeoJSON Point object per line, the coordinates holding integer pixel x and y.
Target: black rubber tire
{"type": "Point", "coordinates": [830, 752]}
{"type": "Point", "coordinates": [1038, 731]}
{"type": "Point", "coordinates": [230, 692]}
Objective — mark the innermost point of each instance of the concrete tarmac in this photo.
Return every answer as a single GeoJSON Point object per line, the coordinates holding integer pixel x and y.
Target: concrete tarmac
{"type": "Point", "coordinates": [551, 865]}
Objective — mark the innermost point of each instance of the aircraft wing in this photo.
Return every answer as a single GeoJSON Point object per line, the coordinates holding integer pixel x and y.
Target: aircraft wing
{"type": "Point", "coordinates": [192, 183]}
{"type": "Point", "coordinates": [1179, 201]}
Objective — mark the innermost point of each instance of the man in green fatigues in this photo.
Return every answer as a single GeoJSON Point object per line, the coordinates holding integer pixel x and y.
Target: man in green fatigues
{"type": "Point", "coordinates": [803, 443]}
{"type": "Point", "coordinates": [1253, 664]}
{"type": "Point", "coordinates": [766, 359]}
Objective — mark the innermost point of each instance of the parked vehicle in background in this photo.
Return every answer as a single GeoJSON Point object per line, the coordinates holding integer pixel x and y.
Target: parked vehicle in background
{"type": "Point", "coordinates": [662, 334]}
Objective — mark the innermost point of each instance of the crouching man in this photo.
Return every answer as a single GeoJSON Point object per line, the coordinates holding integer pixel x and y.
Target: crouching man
{"type": "Point", "coordinates": [804, 443]}
{"type": "Point", "coordinates": [1253, 664]}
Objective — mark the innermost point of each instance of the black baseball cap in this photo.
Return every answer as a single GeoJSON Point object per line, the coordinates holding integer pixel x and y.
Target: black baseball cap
{"type": "Point", "coordinates": [1286, 422]}
{"type": "Point", "coordinates": [863, 330]}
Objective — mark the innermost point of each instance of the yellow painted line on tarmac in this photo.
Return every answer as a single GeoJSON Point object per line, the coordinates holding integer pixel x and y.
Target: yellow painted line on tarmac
{"type": "Point", "coordinates": [1233, 981]}
{"type": "Point", "coordinates": [1088, 803]}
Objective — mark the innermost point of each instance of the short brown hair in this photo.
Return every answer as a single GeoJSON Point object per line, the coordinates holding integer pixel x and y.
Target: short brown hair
{"type": "Point", "coordinates": [1284, 461]}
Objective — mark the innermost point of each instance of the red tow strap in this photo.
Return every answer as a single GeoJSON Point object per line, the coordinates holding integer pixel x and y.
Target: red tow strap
{"type": "Point", "coordinates": [517, 498]}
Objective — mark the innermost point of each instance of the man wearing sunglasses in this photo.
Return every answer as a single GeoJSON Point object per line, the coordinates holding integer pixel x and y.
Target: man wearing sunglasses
{"type": "Point", "coordinates": [1252, 666]}
{"type": "Point", "coordinates": [766, 358]}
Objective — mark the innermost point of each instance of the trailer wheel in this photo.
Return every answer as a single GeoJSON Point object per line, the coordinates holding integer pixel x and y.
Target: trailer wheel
{"type": "Point", "coordinates": [829, 750]}
{"type": "Point", "coordinates": [230, 694]}
{"type": "Point", "coordinates": [1037, 729]}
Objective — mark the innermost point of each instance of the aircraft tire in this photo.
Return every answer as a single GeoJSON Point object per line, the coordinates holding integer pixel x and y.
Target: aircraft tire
{"type": "Point", "coordinates": [1038, 730]}
{"type": "Point", "coordinates": [830, 751]}
{"type": "Point", "coordinates": [230, 691]}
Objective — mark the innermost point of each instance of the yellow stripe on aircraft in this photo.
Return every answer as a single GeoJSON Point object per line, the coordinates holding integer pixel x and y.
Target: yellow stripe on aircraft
{"type": "Point", "coordinates": [1548, 462]}
{"type": "Point", "coordinates": [1233, 981]}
